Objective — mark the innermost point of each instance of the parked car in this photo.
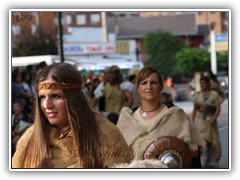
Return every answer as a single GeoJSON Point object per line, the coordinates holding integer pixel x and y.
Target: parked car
{"type": "Point", "coordinates": [223, 80]}
{"type": "Point", "coordinates": [183, 92]}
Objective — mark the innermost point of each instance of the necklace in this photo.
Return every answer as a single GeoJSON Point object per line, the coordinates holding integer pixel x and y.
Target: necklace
{"type": "Point", "coordinates": [145, 112]}
{"type": "Point", "coordinates": [65, 133]}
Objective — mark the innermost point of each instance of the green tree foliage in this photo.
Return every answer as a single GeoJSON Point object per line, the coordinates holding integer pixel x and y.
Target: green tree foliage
{"type": "Point", "coordinates": [161, 48]}
{"type": "Point", "coordinates": [190, 60]}
{"type": "Point", "coordinates": [222, 62]}
{"type": "Point", "coordinates": [35, 44]}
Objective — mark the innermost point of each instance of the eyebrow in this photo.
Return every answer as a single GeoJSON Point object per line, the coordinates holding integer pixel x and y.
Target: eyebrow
{"type": "Point", "coordinates": [150, 80]}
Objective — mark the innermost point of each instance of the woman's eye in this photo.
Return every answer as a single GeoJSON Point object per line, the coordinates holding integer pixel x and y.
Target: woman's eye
{"type": "Point", "coordinates": [56, 96]}
{"type": "Point", "coordinates": [41, 97]}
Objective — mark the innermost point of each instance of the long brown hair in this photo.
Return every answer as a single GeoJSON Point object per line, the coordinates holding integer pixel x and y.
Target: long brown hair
{"type": "Point", "coordinates": [81, 118]}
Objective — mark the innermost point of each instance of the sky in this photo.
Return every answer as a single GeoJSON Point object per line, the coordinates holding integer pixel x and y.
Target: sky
{"type": "Point", "coordinates": [123, 4]}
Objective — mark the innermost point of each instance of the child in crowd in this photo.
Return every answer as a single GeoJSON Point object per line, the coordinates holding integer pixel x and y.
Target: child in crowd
{"type": "Point", "coordinates": [20, 122]}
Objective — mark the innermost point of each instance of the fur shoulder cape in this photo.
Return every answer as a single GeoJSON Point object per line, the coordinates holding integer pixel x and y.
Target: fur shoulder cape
{"type": "Point", "coordinates": [169, 122]}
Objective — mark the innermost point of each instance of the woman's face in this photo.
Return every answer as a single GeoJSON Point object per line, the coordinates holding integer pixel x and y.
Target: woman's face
{"type": "Point", "coordinates": [53, 105]}
{"type": "Point", "coordinates": [150, 88]}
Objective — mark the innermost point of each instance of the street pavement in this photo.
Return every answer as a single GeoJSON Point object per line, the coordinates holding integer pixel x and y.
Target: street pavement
{"type": "Point", "coordinates": [223, 127]}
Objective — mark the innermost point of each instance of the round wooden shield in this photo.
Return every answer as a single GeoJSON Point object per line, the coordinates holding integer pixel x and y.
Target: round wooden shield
{"type": "Point", "coordinates": [171, 151]}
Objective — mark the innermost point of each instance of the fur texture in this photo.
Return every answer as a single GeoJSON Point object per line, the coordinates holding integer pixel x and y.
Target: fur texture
{"type": "Point", "coordinates": [147, 163]}
{"type": "Point", "coordinates": [170, 122]}
{"type": "Point", "coordinates": [126, 122]}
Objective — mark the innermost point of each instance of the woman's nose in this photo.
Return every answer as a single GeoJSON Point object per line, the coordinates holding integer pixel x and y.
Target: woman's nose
{"type": "Point", "coordinates": [148, 85]}
{"type": "Point", "coordinates": [47, 103]}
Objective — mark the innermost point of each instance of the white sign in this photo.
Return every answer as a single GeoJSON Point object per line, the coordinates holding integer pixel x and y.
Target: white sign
{"type": "Point", "coordinates": [93, 48]}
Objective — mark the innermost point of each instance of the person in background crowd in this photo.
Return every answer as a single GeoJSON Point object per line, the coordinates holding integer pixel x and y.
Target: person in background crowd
{"type": "Point", "coordinates": [136, 99]}
{"type": "Point", "coordinates": [66, 132]}
{"type": "Point", "coordinates": [18, 91]}
{"type": "Point", "coordinates": [98, 100]}
{"type": "Point", "coordinates": [166, 98]}
{"type": "Point", "coordinates": [169, 88]}
{"type": "Point", "coordinates": [20, 122]}
{"type": "Point", "coordinates": [28, 88]}
{"type": "Point", "coordinates": [40, 66]}
{"type": "Point", "coordinates": [115, 93]}
{"type": "Point", "coordinates": [96, 105]}
{"type": "Point", "coordinates": [215, 85]}
{"type": "Point", "coordinates": [154, 121]}
{"type": "Point", "coordinates": [207, 109]}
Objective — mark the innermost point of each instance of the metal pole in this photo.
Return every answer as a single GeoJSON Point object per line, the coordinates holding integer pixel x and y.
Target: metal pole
{"type": "Point", "coordinates": [213, 51]}
{"type": "Point", "coordinates": [60, 37]}
{"type": "Point", "coordinates": [104, 26]}
{"type": "Point", "coordinates": [116, 26]}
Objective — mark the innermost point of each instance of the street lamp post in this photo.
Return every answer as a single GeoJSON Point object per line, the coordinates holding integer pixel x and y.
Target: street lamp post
{"type": "Point", "coordinates": [213, 50]}
{"type": "Point", "coordinates": [104, 26]}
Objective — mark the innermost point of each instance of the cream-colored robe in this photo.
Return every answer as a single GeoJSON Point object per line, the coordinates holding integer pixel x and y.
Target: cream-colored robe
{"type": "Point", "coordinates": [114, 148]}
{"type": "Point", "coordinates": [173, 121]}
{"type": "Point", "coordinates": [207, 130]}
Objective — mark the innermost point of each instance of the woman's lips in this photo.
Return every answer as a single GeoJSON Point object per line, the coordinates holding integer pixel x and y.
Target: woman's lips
{"type": "Point", "coordinates": [51, 114]}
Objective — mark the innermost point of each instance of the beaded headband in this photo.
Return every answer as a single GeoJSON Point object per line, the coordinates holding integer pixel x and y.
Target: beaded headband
{"type": "Point", "coordinates": [45, 86]}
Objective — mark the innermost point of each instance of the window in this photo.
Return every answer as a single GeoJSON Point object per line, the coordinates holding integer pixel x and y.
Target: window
{"type": "Point", "coordinates": [34, 28]}
{"type": "Point", "coordinates": [16, 29]}
{"type": "Point", "coordinates": [81, 19]}
{"type": "Point", "coordinates": [95, 18]}
{"type": "Point", "coordinates": [69, 19]}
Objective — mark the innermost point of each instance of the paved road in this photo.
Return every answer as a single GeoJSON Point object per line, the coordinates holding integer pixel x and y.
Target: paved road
{"type": "Point", "coordinates": [223, 126]}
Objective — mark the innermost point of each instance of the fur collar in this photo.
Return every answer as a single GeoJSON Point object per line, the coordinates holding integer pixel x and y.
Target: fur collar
{"type": "Point", "coordinates": [169, 122]}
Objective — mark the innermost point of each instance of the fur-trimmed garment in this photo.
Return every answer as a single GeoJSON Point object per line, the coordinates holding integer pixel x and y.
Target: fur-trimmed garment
{"type": "Point", "coordinates": [173, 121]}
{"type": "Point", "coordinates": [114, 148]}
{"type": "Point", "coordinates": [207, 130]}
{"type": "Point", "coordinates": [146, 163]}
